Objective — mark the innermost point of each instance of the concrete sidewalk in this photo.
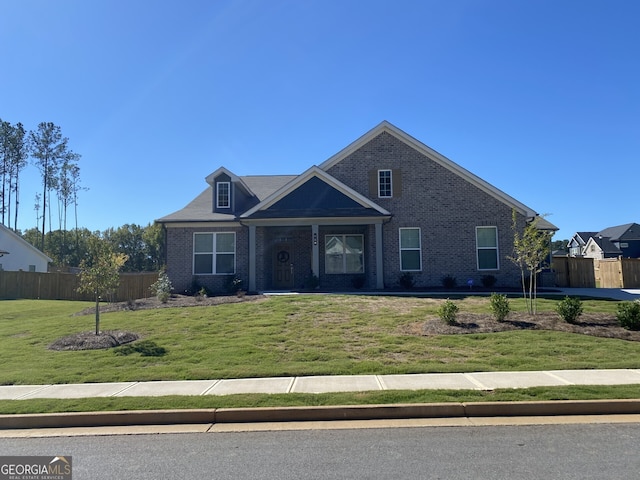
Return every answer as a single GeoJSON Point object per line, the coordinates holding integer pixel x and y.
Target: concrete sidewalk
{"type": "Point", "coordinates": [327, 384]}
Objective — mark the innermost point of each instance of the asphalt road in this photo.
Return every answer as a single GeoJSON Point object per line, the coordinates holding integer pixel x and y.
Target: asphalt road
{"type": "Point", "coordinates": [589, 451]}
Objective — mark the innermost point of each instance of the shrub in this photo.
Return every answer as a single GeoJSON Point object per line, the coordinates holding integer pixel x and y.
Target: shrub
{"type": "Point", "coordinates": [234, 284]}
{"type": "Point", "coordinates": [406, 281]}
{"type": "Point", "coordinates": [499, 306]}
{"type": "Point", "coordinates": [162, 287]}
{"type": "Point", "coordinates": [628, 315]}
{"type": "Point", "coordinates": [488, 281]}
{"type": "Point", "coordinates": [570, 308]}
{"type": "Point", "coordinates": [449, 281]}
{"type": "Point", "coordinates": [447, 312]}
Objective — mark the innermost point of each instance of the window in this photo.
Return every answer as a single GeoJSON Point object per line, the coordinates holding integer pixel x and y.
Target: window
{"type": "Point", "coordinates": [32, 268]}
{"type": "Point", "coordinates": [384, 184]}
{"type": "Point", "coordinates": [410, 250]}
{"type": "Point", "coordinates": [223, 195]}
{"type": "Point", "coordinates": [344, 254]}
{"type": "Point", "coordinates": [214, 253]}
{"type": "Point", "coordinates": [487, 248]}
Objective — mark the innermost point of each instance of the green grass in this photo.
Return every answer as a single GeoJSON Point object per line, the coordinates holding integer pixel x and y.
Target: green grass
{"type": "Point", "coordinates": [298, 335]}
{"type": "Point", "coordinates": [288, 336]}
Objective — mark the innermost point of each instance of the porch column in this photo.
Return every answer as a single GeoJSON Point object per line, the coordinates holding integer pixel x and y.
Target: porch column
{"type": "Point", "coordinates": [379, 258]}
{"type": "Point", "coordinates": [252, 258]}
{"type": "Point", "coordinates": [315, 251]}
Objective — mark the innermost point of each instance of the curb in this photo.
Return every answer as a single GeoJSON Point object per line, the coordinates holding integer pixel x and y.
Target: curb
{"type": "Point", "coordinates": [320, 413]}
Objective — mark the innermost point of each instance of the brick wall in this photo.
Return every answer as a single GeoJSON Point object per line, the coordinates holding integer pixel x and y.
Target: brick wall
{"type": "Point", "coordinates": [446, 208]}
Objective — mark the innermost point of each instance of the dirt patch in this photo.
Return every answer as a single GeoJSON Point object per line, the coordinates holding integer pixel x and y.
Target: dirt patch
{"type": "Point", "coordinates": [91, 341]}
{"type": "Point", "coordinates": [594, 324]}
{"type": "Point", "coordinates": [173, 302]}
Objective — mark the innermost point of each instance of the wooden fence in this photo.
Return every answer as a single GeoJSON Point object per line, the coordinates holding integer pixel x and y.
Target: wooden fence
{"type": "Point", "coordinates": [620, 273]}
{"type": "Point", "coordinates": [64, 286]}
{"type": "Point", "coordinates": [574, 272]}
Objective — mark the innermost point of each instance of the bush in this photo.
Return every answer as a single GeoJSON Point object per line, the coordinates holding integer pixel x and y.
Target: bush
{"type": "Point", "coordinates": [628, 315]}
{"type": "Point", "coordinates": [499, 306]}
{"type": "Point", "coordinates": [162, 287]}
{"type": "Point", "coordinates": [406, 281]}
{"type": "Point", "coordinates": [233, 284]}
{"type": "Point", "coordinates": [488, 281]}
{"type": "Point", "coordinates": [449, 281]}
{"type": "Point", "coordinates": [447, 312]}
{"type": "Point", "coordinates": [569, 309]}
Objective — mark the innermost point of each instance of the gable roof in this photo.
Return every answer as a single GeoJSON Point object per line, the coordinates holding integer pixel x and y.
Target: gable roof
{"type": "Point", "coordinates": [7, 232]}
{"type": "Point", "coordinates": [339, 199]}
{"type": "Point", "coordinates": [387, 127]}
{"type": "Point", "coordinates": [605, 245]}
{"type": "Point", "coordinates": [628, 231]}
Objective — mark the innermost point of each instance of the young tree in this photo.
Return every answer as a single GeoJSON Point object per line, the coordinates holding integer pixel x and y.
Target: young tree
{"type": "Point", "coordinates": [100, 272]}
{"type": "Point", "coordinates": [530, 253]}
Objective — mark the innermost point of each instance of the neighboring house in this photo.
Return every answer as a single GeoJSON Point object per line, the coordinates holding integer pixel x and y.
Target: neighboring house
{"type": "Point", "coordinates": [18, 254]}
{"type": "Point", "coordinates": [577, 243]}
{"type": "Point", "coordinates": [612, 242]}
{"type": "Point", "coordinates": [383, 207]}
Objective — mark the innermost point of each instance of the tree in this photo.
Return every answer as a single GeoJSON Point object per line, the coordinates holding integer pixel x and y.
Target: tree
{"type": "Point", "coordinates": [100, 272]}
{"type": "Point", "coordinates": [530, 253]}
{"type": "Point", "coordinates": [13, 159]}
{"type": "Point", "coordinates": [49, 149]}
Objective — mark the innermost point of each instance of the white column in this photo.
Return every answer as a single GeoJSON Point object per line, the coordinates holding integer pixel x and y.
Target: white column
{"type": "Point", "coordinates": [252, 258]}
{"type": "Point", "coordinates": [315, 251]}
{"type": "Point", "coordinates": [379, 258]}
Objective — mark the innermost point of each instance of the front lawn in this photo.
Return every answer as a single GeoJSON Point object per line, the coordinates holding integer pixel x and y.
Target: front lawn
{"type": "Point", "coordinates": [291, 335]}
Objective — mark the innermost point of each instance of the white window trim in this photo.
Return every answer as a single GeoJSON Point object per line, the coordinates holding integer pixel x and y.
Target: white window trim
{"type": "Point", "coordinates": [390, 184]}
{"type": "Point", "coordinates": [344, 255]}
{"type": "Point", "coordinates": [496, 248]}
{"type": "Point", "coordinates": [213, 253]}
{"type": "Point", "coordinates": [401, 249]}
{"type": "Point", "coordinates": [218, 205]}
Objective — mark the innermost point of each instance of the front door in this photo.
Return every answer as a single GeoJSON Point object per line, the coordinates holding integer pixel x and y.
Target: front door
{"type": "Point", "coordinates": [282, 267]}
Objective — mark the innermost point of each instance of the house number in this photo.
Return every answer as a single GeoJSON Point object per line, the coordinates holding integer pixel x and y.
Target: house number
{"type": "Point", "coordinates": [283, 256]}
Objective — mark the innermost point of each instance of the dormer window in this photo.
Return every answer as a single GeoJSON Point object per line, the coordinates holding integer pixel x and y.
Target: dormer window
{"type": "Point", "coordinates": [223, 195]}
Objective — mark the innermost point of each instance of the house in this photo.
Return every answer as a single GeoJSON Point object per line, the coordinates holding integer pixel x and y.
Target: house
{"type": "Point", "coordinates": [384, 207]}
{"type": "Point", "coordinates": [577, 243]}
{"type": "Point", "coordinates": [614, 242]}
{"type": "Point", "coordinates": [18, 254]}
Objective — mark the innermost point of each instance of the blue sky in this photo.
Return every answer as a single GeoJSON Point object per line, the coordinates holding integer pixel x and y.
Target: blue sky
{"type": "Point", "coordinates": [539, 98]}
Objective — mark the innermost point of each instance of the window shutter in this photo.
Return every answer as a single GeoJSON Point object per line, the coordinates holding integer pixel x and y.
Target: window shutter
{"type": "Point", "coordinates": [396, 178]}
{"type": "Point", "coordinates": [373, 183]}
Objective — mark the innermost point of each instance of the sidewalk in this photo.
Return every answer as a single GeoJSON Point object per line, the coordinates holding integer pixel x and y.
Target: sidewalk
{"type": "Point", "coordinates": [327, 384]}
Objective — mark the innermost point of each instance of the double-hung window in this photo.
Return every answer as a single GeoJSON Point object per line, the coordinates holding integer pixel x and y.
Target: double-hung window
{"type": "Point", "coordinates": [385, 189]}
{"type": "Point", "coordinates": [214, 253]}
{"type": "Point", "coordinates": [410, 250]}
{"type": "Point", "coordinates": [344, 254]}
{"type": "Point", "coordinates": [487, 248]}
{"type": "Point", "coordinates": [223, 196]}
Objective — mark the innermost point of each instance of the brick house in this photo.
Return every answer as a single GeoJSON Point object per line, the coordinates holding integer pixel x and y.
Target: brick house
{"type": "Point", "coordinates": [383, 207]}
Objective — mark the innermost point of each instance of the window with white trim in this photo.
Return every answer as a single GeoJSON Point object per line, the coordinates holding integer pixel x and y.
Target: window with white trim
{"type": "Point", "coordinates": [385, 189]}
{"type": "Point", "coordinates": [487, 248]}
{"type": "Point", "coordinates": [223, 195]}
{"type": "Point", "coordinates": [410, 250]}
{"type": "Point", "coordinates": [214, 253]}
{"type": "Point", "coordinates": [344, 254]}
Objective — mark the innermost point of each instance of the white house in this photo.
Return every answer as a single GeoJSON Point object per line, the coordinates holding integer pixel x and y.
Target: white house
{"type": "Point", "coordinates": [18, 254]}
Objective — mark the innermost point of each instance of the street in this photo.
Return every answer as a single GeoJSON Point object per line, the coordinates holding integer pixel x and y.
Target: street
{"type": "Point", "coordinates": [586, 451]}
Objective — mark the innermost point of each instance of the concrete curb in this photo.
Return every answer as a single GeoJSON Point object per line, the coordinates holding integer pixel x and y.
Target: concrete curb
{"type": "Point", "coordinates": [320, 413]}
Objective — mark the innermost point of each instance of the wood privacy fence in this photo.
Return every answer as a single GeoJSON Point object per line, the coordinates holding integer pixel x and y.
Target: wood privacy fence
{"type": "Point", "coordinates": [64, 286]}
{"type": "Point", "coordinates": [574, 272]}
{"type": "Point", "coordinates": [589, 273]}
{"type": "Point", "coordinates": [620, 273]}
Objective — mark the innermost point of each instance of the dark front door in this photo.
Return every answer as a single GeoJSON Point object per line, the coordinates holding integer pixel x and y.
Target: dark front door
{"type": "Point", "coordinates": [282, 267]}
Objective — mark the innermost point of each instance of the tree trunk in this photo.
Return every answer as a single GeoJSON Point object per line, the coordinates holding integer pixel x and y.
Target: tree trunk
{"type": "Point", "coordinates": [97, 314]}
